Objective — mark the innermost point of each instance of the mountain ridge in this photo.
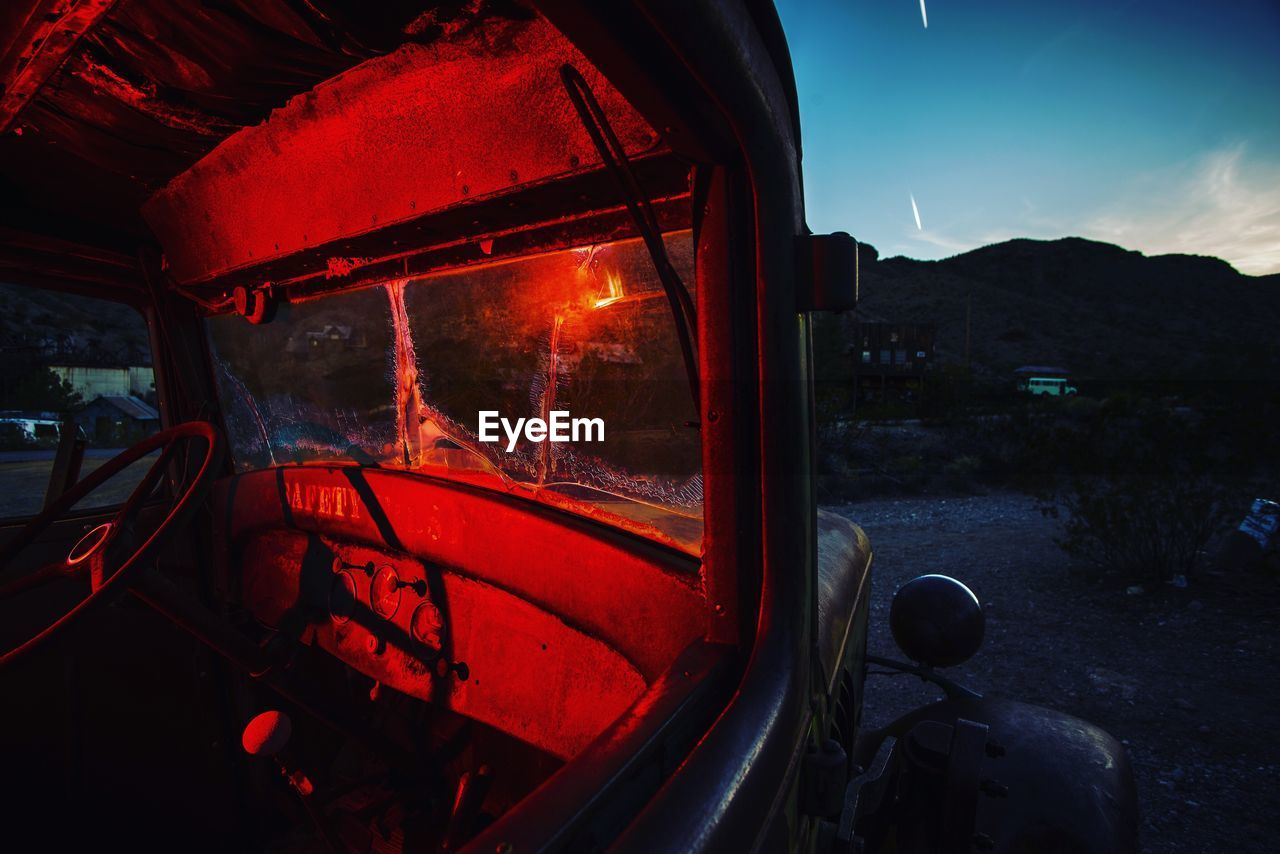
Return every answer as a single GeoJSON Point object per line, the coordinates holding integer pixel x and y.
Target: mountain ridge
{"type": "Point", "coordinates": [1102, 310]}
{"type": "Point", "coordinates": [1076, 240]}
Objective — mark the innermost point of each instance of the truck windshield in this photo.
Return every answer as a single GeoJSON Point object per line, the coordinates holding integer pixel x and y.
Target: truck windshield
{"type": "Point", "coordinates": [450, 374]}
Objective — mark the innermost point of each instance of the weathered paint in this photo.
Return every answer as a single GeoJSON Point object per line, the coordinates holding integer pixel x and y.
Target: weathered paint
{"type": "Point", "coordinates": [53, 27]}
{"type": "Point", "coordinates": [485, 653]}
{"type": "Point", "coordinates": [637, 598]}
{"type": "Point", "coordinates": [325, 502]}
{"type": "Point", "coordinates": [419, 130]}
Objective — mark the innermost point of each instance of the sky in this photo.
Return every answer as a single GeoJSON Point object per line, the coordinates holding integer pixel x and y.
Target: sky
{"type": "Point", "coordinates": [1152, 124]}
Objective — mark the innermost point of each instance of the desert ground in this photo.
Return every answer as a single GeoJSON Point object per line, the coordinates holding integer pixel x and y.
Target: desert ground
{"type": "Point", "coordinates": [1188, 678]}
{"type": "Point", "coordinates": [25, 475]}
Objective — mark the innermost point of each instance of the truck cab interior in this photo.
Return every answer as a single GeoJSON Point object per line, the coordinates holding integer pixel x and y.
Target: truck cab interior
{"type": "Point", "coordinates": [318, 605]}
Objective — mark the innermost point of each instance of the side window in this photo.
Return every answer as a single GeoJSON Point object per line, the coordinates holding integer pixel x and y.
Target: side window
{"type": "Point", "coordinates": [69, 362]}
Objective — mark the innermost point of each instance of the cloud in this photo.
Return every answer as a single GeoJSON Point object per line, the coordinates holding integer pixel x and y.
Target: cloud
{"type": "Point", "coordinates": [1228, 207]}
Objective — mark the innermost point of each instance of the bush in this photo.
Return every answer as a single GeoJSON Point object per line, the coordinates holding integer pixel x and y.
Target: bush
{"type": "Point", "coordinates": [908, 471]}
{"type": "Point", "coordinates": [1144, 487]}
{"type": "Point", "coordinates": [961, 474]}
{"type": "Point", "coordinates": [1141, 527]}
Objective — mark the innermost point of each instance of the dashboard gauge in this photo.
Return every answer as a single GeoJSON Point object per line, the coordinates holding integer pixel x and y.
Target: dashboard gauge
{"type": "Point", "coordinates": [427, 625]}
{"type": "Point", "coordinates": [384, 592]}
{"type": "Point", "coordinates": [342, 597]}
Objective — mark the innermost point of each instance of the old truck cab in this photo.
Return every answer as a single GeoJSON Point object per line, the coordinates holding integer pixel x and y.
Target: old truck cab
{"type": "Point", "coordinates": [475, 507]}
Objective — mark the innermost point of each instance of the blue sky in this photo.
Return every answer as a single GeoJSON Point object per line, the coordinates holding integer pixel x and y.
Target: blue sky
{"type": "Point", "coordinates": [1154, 124]}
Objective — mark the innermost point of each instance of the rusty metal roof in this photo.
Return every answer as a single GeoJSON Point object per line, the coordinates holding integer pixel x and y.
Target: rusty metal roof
{"type": "Point", "coordinates": [105, 101]}
{"type": "Point", "coordinates": [130, 406]}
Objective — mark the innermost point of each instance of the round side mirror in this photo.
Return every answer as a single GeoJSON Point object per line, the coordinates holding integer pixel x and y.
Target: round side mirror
{"type": "Point", "coordinates": [936, 621]}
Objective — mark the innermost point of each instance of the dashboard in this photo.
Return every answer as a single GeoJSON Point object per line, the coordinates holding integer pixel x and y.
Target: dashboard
{"type": "Point", "coordinates": [529, 620]}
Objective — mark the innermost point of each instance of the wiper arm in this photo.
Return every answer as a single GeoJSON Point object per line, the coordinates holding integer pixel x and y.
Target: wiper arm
{"type": "Point", "coordinates": [615, 158]}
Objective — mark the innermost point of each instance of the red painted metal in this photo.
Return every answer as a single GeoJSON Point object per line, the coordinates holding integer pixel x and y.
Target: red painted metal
{"type": "Point", "coordinates": [493, 656]}
{"type": "Point", "coordinates": [422, 129]}
{"type": "Point", "coordinates": [641, 599]}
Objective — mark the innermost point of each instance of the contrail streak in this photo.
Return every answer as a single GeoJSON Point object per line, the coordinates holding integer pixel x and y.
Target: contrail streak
{"type": "Point", "coordinates": [915, 210]}
{"type": "Point", "coordinates": [924, 15]}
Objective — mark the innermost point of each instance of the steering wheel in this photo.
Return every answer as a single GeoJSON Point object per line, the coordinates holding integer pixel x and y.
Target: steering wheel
{"type": "Point", "coordinates": [107, 555]}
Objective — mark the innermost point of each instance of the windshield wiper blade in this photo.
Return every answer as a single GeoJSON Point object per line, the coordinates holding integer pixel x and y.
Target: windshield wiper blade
{"type": "Point", "coordinates": [615, 159]}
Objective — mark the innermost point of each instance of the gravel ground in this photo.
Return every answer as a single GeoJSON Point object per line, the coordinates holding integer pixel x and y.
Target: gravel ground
{"type": "Point", "coordinates": [25, 478]}
{"type": "Point", "coordinates": [1188, 679]}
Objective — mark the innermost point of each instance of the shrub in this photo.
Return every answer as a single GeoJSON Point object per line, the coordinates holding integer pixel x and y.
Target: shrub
{"type": "Point", "coordinates": [1142, 486]}
{"type": "Point", "coordinates": [909, 471]}
{"type": "Point", "coordinates": [961, 473]}
{"type": "Point", "coordinates": [1142, 527]}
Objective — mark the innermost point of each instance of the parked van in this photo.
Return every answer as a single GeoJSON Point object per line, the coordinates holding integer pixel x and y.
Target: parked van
{"type": "Point", "coordinates": [1046, 385]}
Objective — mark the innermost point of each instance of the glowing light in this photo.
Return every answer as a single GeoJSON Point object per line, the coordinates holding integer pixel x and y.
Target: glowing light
{"type": "Point", "coordinates": [611, 291]}
{"type": "Point", "coordinates": [915, 210]}
{"type": "Point", "coordinates": [924, 15]}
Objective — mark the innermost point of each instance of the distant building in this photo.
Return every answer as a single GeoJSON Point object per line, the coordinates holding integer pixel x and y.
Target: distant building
{"type": "Point", "coordinates": [93, 381]}
{"type": "Point", "coordinates": [117, 419]}
{"type": "Point", "coordinates": [890, 360]}
{"type": "Point", "coordinates": [1044, 379]}
{"type": "Point", "coordinates": [331, 335]}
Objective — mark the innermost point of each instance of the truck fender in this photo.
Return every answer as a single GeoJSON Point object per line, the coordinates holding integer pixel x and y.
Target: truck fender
{"type": "Point", "coordinates": [1050, 782]}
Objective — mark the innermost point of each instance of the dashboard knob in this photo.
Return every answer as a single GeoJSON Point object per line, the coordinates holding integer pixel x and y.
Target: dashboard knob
{"type": "Point", "coordinates": [267, 734]}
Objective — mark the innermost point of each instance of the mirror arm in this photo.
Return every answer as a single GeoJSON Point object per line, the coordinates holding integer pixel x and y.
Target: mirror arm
{"type": "Point", "coordinates": [954, 690]}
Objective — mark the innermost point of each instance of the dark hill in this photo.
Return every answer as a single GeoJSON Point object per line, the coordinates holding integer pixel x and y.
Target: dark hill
{"type": "Point", "coordinates": [79, 329]}
{"type": "Point", "coordinates": [1100, 310]}
{"type": "Point", "coordinates": [1103, 311]}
